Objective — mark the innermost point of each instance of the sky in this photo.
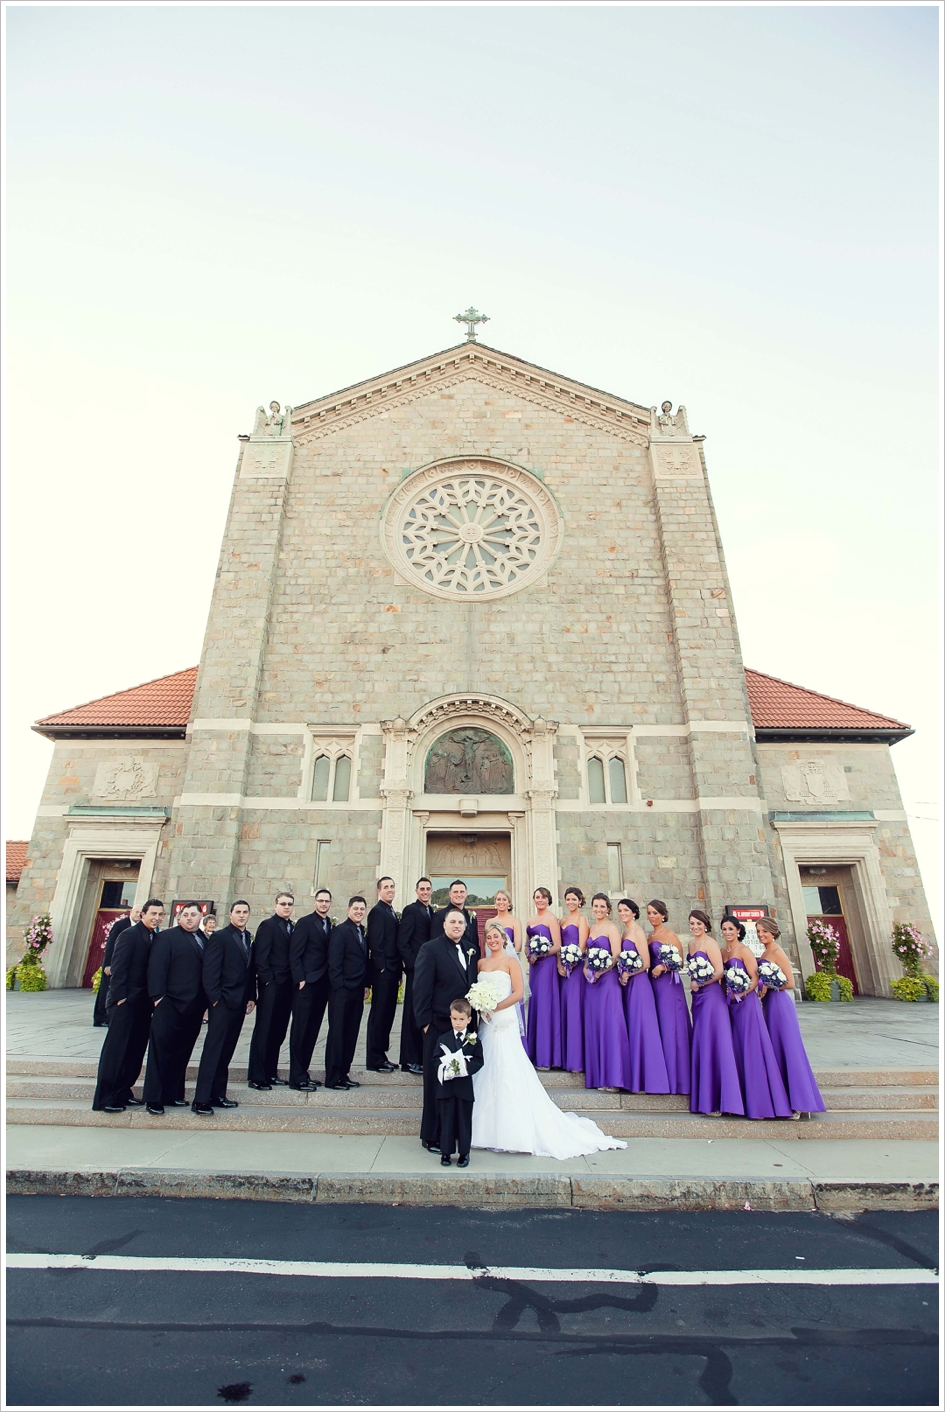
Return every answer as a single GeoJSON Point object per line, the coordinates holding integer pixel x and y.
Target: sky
{"type": "Point", "coordinates": [736, 208]}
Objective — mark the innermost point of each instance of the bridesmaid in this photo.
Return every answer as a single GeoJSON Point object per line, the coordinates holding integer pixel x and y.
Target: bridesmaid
{"type": "Point", "coordinates": [574, 931]}
{"type": "Point", "coordinates": [606, 1050]}
{"type": "Point", "coordinates": [714, 1083]}
{"type": "Point", "coordinates": [513, 947]}
{"type": "Point", "coordinates": [762, 1084]}
{"type": "Point", "coordinates": [670, 996]}
{"type": "Point", "coordinates": [783, 1028]}
{"type": "Point", "coordinates": [543, 1031]}
{"type": "Point", "coordinates": [647, 1065]}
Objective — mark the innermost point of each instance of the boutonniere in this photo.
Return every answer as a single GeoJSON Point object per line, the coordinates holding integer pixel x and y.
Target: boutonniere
{"type": "Point", "coordinates": [472, 915]}
{"type": "Point", "coordinates": [332, 921]}
{"type": "Point", "coordinates": [471, 951]}
{"type": "Point", "coordinates": [471, 1038]}
{"type": "Point", "coordinates": [398, 915]}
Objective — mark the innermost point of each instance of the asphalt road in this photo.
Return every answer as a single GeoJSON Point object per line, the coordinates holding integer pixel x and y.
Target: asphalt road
{"type": "Point", "coordinates": [82, 1337]}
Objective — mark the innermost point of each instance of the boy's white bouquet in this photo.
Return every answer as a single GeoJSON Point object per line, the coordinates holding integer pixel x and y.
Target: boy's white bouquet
{"type": "Point", "coordinates": [452, 1065]}
{"type": "Point", "coordinates": [484, 994]}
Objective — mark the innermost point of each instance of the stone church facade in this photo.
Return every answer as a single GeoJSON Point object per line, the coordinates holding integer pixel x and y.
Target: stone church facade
{"type": "Point", "coordinates": [473, 618]}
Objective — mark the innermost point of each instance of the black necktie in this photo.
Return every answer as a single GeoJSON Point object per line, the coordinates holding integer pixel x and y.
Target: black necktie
{"type": "Point", "coordinates": [360, 935]}
{"type": "Point", "coordinates": [199, 942]}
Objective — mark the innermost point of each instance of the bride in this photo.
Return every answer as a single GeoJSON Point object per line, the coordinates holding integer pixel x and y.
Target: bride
{"type": "Point", "coordinates": [512, 1111]}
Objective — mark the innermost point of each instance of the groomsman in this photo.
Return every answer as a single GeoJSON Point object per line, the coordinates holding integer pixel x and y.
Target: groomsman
{"type": "Point", "coordinates": [413, 932]}
{"type": "Point", "coordinates": [274, 983]}
{"type": "Point", "coordinates": [348, 975]}
{"type": "Point", "coordinates": [175, 984]}
{"type": "Point", "coordinates": [229, 979]}
{"type": "Point", "coordinates": [120, 924]}
{"type": "Point", "coordinates": [384, 971]}
{"type": "Point", "coordinates": [446, 967]}
{"type": "Point", "coordinates": [458, 902]}
{"type": "Point", "coordinates": [308, 961]}
{"type": "Point", "coordinates": [129, 1013]}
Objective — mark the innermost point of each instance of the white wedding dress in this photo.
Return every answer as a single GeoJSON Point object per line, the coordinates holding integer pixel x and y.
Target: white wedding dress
{"type": "Point", "coordinates": [512, 1111]}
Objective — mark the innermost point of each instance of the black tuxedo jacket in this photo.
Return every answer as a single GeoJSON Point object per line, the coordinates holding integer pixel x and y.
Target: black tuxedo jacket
{"type": "Point", "coordinates": [272, 951]}
{"type": "Point", "coordinates": [308, 949]}
{"type": "Point", "coordinates": [438, 978]}
{"type": "Point", "coordinates": [460, 1087]}
{"type": "Point", "coordinates": [347, 957]}
{"type": "Point", "coordinates": [414, 930]}
{"type": "Point", "coordinates": [129, 963]}
{"type": "Point", "coordinates": [229, 972]}
{"type": "Point", "coordinates": [175, 968]}
{"type": "Point", "coordinates": [121, 925]}
{"type": "Point", "coordinates": [472, 927]}
{"type": "Point", "coordinates": [382, 929]}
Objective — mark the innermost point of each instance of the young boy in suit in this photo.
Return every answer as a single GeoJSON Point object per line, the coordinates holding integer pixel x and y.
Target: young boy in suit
{"type": "Point", "coordinates": [459, 1049]}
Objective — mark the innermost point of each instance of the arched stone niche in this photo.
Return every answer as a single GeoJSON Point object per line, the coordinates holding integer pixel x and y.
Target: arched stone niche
{"type": "Point", "coordinates": [468, 760]}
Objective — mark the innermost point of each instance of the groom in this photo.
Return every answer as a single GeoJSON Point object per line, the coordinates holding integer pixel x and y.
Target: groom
{"type": "Point", "coordinates": [447, 966]}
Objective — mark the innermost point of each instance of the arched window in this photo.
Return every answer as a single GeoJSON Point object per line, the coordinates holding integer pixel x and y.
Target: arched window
{"type": "Point", "coordinates": [618, 781]}
{"type": "Point", "coordinates": [606, 780]}
{"type": "Point", "coordinates": [595, 780]}
{"type": "Point", "coordinates": [331, 778]}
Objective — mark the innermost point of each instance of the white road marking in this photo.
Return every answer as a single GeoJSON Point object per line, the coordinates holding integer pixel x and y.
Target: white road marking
{"type": "Point", "coordinates": [338, 1270]}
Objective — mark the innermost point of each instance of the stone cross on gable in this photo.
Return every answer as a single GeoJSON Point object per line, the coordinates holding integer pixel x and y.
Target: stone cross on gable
{"type": "Point", "coordinates": [471, 318]}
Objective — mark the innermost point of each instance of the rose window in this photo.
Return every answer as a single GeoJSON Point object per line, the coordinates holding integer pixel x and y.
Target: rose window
{"type": "Point", "coordinates": [471, 529]}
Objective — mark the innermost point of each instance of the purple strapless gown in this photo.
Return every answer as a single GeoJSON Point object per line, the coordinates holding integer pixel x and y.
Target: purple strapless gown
{"type": "Point", "coordinates": [543, 1031]}
{"type": "Point", "coordinates": [672, 1012]}
{"type": "Point", "coordinates": [762, 1084]}
{"type": "Point", "coordinates": [606, 1048]}
{"type": "Point", "coordinates": [780, 1014]}
{"type": "Point", "coordinates": [520, 1007]}
{"type": "Point", "coordinates": [572, 990]}
{"type": "Point", "coordinates": [714, 1085]}
{"type": "Point", "coordinates": [647, 1065]}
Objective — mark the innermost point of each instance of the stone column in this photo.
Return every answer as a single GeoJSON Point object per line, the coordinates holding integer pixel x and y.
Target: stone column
{"type": "Point", "coordinates": [541, 794]}
{"type": "Point", "coordinates": [209, 817]}
{"type": "Point", "coordinates": [735, 857]}
{"type": "Point", "coordinates": [397, 795]}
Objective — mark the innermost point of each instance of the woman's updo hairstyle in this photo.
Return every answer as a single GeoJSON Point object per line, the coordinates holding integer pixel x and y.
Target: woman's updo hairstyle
{"type": "Point", "coordinates": [602, 897]}
{"type": "Point", "coordinates": [629, 902]}
{"type": "Point", "coordinates": [577, 893]}
{"type": "Point", "coordinates": [501, 892]}
{"type": "Point", "coordinates": [660, 907]}
{"type": "Point", "coordinates": [767, 924]}
{"type": "Point", "coordinates": [495, 927]}
{"type": "Point", "coordinates": [702, 917]}
{"type": "Point", "coordinates": [736, 924]}
{"type": "Point", "coordinates": [542, 892]}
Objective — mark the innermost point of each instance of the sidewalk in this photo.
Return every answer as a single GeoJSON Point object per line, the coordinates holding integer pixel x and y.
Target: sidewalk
{"type": "Point", "coordinates": [649, 1174]}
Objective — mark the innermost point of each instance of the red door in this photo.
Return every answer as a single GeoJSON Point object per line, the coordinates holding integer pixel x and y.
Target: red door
{"type": "Point", "coordinates": [103, 920]}
{"type": "Point", "coordinates": [845, 959]}
{"type": "Point", "coordinates": [483, 915]}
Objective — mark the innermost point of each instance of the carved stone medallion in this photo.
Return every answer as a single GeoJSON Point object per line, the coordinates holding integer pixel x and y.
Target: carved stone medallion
{"type": "Point", "coordinates": [468, 761]}
{"type": "Point", "coordinates": [473, 529]}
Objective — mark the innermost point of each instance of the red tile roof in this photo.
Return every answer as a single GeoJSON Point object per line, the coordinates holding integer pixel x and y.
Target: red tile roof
{"type": "Point", "coordinates": [781, 706]}
{"type": "Point", "coordinates": [16, 857]}
{"type": "Point", "coordinates": [162, 703]}
{"type": "Point", "coordinates": [776, 706]}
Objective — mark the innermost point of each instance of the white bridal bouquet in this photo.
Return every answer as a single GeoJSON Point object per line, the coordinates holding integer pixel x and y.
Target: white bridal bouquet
{"type": "Point", "coordinates": [571, 956]}
{"type": "Point", "coordinates": [771, 975]}
{"type": "Point", "coordinates": [599, 958]}
{"type": "Point", "coordinates": [538, 946]}
{"type": "Point", "coordinates": [629, 962]}
{"type": "Point", "coordinates": [700, 969]}
{"type": "Point", "coordinates": [670, 957]}
{"type": "Point", "coordinates": [738, 981]}
{"type": "Point", "coordinates": [484, 994]}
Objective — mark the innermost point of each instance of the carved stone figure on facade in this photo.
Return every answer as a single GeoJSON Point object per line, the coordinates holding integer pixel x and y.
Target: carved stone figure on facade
{"type": "Point", "coordinates": [276, 424]}
{"type": "Point", "coordinates": [468, 761]}
{"type": "Point", "coordinates": [663, 423]}
{"type": "Point", "coordinates": [128, 777]}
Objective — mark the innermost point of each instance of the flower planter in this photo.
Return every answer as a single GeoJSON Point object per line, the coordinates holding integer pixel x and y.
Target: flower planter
{"type": "Point", "coordinates": [834, 990]}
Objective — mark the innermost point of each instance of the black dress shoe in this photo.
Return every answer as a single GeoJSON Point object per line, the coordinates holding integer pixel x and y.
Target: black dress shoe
{"type": "Point", "coordinates": [431, 1147]}
{"type": "Point", "coordinates": [463, 1161]}
{"type": "Point", "coordinates": [352, 1083]}
{"type": "Point", "coordinates": [345, 1087]}
{"type": "Point", "coordinates": [412, 1068]}
{"type": "Point", "coordinates": [100, 1024]}
{"type": "Point", "coordinates": [113, 1108]}
{"type": "Point", "coordinates": [202, 1109]}
{"type": "Point", "coordinates": [445, 1161]}
{"type": "Point", "coordinates": [303, 1086]}
{"type": "Point", "coordinates": [284, 1083]}
{"type": "Point", "coordinates": [134, 1102]}
{"type": "Point", "coordinates": [260, 1088]}
{"type": "Point", "coordinates": [178, 1103]}
{"type": "Point", "coordinates": [156, 1110]}
{"type": "Point", "coordinates": [224, 1103]}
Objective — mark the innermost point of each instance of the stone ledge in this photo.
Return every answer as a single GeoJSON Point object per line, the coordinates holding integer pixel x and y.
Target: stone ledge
{"type": "Point", "coordinates": [501, 1192]}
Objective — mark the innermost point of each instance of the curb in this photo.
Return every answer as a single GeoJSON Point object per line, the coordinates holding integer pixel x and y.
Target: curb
{"type": "Point", "coordinates": [506, 1192]}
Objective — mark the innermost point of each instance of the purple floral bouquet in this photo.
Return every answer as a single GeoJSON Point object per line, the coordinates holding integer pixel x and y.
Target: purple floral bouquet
{"type": "Point", "coordinates": [571, 955]}
{"type": "Point", "coordinates": [538, 946]}
{"type": "Point", "coordinates": [771, 975]}
{"type": "Point", "coordinates": [599, 958]}
{"type": "Point", "coordinates": [737, 982]}
{"type": "Point", "coordinates": [701, 970]}
{"type": "Point", "coordinates": [629, 962]}
{"type": "Point", "coordinates": [670, 957]}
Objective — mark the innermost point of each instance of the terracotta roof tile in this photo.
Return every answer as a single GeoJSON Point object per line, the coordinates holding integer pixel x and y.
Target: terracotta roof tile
{"type": "Point", "coordinates": [166, 701]}
{"type": "Point", "coordinates": [780, 705]}
{"type": "Point", "coordinates": [775, 705]}
{"type": "Point", "coordinates": [16, 857]}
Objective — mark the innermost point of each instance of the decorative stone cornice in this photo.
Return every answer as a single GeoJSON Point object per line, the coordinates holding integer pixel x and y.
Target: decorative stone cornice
{"type": "Point", "coordinates": [470, 703]}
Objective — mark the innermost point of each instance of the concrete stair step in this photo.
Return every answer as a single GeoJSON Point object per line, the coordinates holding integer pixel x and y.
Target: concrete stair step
{"type": "Point", "coordinates": [889, 1098]}
{"type": "Point", "coordinates": [349, 1117]}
